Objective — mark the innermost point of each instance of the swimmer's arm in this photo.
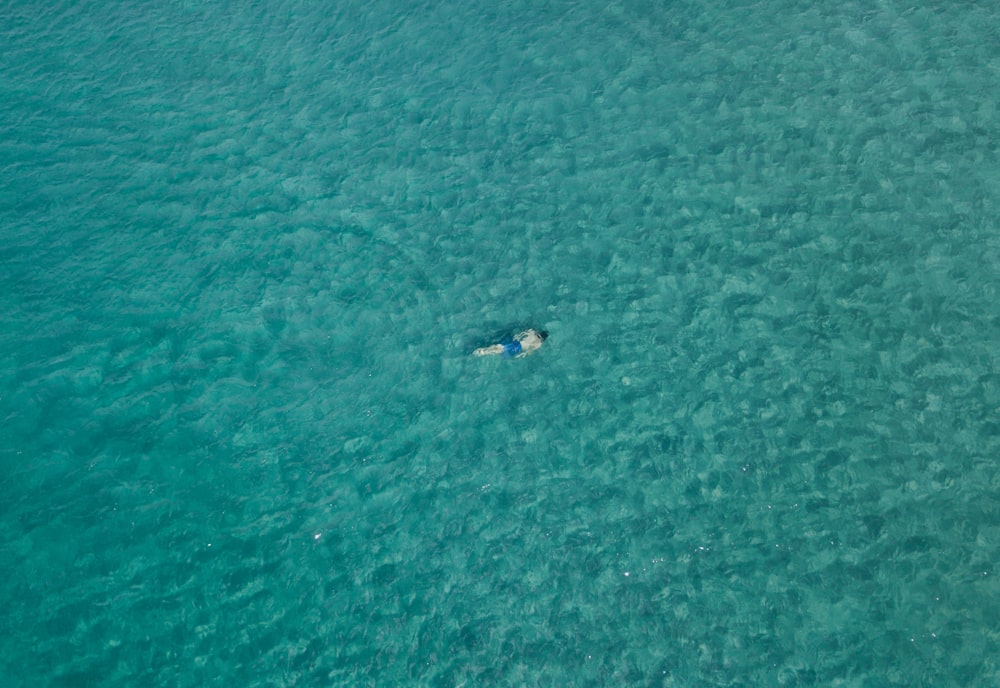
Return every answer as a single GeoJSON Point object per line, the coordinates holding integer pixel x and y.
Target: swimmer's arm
{"type": "Point", "coordinates": [494, 350]}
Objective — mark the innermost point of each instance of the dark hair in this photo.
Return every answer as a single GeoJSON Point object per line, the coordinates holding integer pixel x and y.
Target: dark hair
{"type": "Point", "coordinates": [543, 334]}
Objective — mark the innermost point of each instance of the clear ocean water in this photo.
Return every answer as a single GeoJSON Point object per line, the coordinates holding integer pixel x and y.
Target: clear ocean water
{"type": "Point", "coordinates": [246, 249]}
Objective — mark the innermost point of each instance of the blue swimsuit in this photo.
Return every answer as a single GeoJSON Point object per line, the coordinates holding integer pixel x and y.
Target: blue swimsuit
{"type": "Point", "coordinates": [512, 348]}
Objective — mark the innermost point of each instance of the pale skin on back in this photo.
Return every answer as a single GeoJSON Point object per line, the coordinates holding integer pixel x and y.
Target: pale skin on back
{"type": "Point", "coordinates": [530, 340]}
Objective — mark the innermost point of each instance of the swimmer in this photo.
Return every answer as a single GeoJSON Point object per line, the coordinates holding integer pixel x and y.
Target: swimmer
{"type": "Point", "coordinates": [524, 343]}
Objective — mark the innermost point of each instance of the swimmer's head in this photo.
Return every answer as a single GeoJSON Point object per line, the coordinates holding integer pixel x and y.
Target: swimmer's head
{"type": "Point", "coordinates": [543, 334]}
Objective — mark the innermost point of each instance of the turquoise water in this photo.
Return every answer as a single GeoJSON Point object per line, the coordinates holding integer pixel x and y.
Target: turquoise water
{"type": "Point", "coordinates": [247, 249]}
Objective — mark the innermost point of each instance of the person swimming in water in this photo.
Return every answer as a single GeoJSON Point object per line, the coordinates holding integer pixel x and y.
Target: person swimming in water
{"type": "Point", "coordinates": [523, 344]}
